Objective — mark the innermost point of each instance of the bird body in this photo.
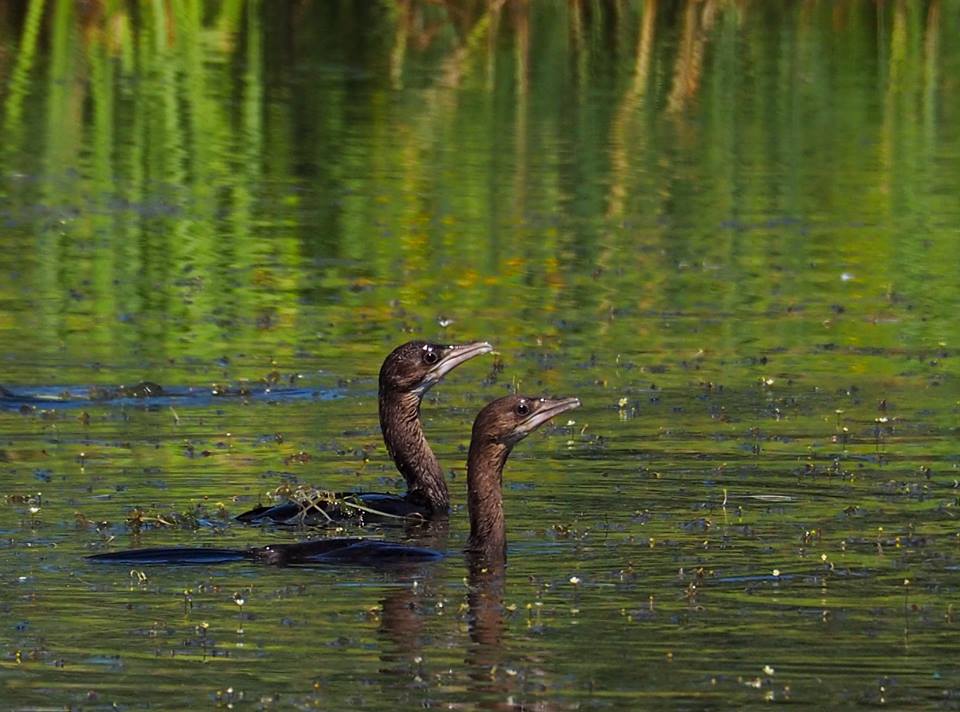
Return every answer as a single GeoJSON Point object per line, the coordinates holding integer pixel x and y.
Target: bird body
{"type": "Point", "coordinates": [497, 428]}
{"type": "Point", "coordinates": [407, 373]}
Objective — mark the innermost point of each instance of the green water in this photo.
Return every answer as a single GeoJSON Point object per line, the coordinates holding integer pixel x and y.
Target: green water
{"type": "Point", "coordinates": [731, 228]}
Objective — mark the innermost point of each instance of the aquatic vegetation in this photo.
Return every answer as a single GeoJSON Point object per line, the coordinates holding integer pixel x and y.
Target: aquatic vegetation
{"type": "Point", "coordinates": [324, 505]}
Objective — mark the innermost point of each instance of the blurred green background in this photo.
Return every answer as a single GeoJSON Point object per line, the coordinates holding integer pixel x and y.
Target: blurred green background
{"type": "Point", "coordinates": [187, 179]}
{"type": "Point", "coordinates": [730, 227]}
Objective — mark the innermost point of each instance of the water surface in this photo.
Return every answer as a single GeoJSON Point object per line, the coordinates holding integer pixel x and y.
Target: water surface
{"type": "Point", "coordinates": [730, 228]}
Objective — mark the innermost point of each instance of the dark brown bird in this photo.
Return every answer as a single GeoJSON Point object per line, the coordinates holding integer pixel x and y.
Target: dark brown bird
{"type": "Point", "coordinates": [406, 375]}
{"type": "Point", "coordinates": [499, 426]}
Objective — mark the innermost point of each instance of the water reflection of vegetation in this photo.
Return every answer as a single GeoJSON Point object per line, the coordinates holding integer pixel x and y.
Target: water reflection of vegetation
{"type": "Point", "coordinates": [189, 181]}
{"type": "Point", "coordinates": [736, 220]}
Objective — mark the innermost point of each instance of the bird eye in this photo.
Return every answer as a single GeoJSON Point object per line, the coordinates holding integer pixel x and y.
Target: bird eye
{"type": "Point", "coordinates": [430, 357]}
{"type": "Point", "coordinates": [522, 408]}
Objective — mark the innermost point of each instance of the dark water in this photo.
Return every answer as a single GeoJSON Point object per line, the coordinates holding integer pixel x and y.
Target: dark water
{"type": "Point", "coordinates": [730, 228]}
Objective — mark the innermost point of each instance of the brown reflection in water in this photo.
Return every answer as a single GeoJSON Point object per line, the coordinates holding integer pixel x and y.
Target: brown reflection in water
{"type": "Point", "coordinates": [624, 146]}
{"type": "Point", "coordinates": [486, 583]}
{"type": "Point", "coordinates": [402, 611]}
{"type": "Point", "coordinates": [489, 683]}
{"type": "Point", "coordinates": [698, 19]}
{"type": "Point", "coordinates": [521, 17]}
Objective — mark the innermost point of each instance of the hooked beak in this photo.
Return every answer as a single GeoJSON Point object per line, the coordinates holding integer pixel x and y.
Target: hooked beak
{"type": "Point", "coordinates": [549, 408]}
{"type": "Point", "coordinates": [456, 354]}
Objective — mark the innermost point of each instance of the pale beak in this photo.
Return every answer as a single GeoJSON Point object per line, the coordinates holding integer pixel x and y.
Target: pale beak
{"type": "Point", "coordinates": [549, 408]}
{"type": "Point", "coordinates": [455, 355]}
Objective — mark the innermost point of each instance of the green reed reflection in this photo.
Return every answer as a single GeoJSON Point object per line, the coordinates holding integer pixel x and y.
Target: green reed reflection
{"type": "Point", "coordinates": [730, 228]}
{"type": "Point", "coordinates": [154, 138]}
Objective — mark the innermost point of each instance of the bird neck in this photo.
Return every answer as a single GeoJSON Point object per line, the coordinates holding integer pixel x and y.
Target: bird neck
{"type": "Point", "coordinates": [488, 537]}
{"type": "Point", "coordinates": [408, 446]}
